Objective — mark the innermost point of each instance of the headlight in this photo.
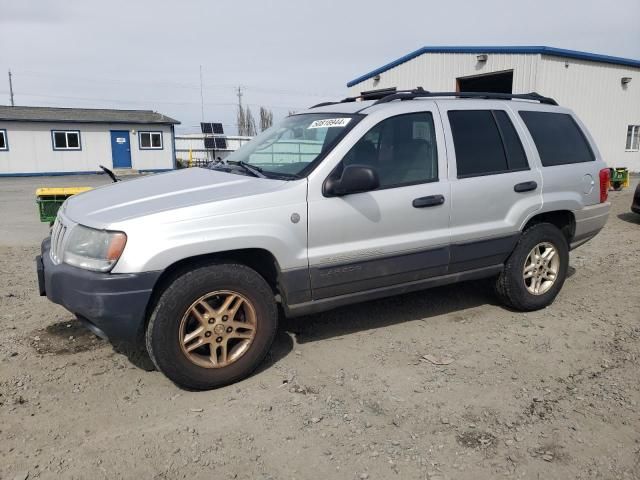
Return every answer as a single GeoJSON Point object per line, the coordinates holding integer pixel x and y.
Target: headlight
{"type": "Point", "coordinates": [91, 249]}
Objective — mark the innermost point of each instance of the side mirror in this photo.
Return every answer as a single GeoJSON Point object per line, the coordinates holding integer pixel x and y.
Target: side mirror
{"type": "Point", "coordinates": [354, 179]}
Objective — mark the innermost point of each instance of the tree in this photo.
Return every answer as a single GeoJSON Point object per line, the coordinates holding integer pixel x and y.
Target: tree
{"type": "Point", "coordinates": [266, 118]}
{"type": "Point", "coordinates": [246, 122]}
{"type": "Point", "coordinates": [251, 123]}
{"type": "Point", "coordinates": [241, 120]}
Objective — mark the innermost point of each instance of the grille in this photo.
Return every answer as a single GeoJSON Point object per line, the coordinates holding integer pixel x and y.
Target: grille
{"type": "Point", "coordinates": [58, 234]}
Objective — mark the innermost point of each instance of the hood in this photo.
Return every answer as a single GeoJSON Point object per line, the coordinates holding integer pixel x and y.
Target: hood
{"type": "Point", "coordinates": [157, 193]}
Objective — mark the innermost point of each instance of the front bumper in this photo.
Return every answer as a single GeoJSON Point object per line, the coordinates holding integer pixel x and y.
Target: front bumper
{"type": "Point", "coordinates": [114, 304]}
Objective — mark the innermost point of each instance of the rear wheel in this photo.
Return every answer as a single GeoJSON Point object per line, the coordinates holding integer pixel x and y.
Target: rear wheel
{"type": "Point", "coordinates": [536, 269]}
{"type": "Point", "coordinates": [212, 326]}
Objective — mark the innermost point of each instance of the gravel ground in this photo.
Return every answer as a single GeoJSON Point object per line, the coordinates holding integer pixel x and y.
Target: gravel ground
{"type": "Point", "coordinates": [442, 384]}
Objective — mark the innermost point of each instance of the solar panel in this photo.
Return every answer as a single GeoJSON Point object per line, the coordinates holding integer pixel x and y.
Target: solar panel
{"type": "Point", "coordinates": [209, 143]}
{"type": "Point", "coordinates": [209, 127]}
{"type": "Point", "coordinates": [221, 143]}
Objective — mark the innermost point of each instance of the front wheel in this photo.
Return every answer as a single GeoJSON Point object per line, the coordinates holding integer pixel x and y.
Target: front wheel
{"type": "Point", "coordinates": [536, 269]}
{"type": "Point", "coordinates": [212, 326]}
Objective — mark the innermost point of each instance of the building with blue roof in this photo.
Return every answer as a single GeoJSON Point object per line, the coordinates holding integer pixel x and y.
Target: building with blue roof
{"type": "Point", "coordinates": [603, 90]}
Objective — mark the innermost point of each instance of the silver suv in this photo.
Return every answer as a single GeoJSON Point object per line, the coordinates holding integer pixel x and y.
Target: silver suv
{"type": "Point", "coordinates": [342, 203]}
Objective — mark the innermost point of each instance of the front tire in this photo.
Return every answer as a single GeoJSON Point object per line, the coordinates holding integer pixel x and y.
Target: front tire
{"type": "Point", "coordinates": [536, 269]}
{"type": "Point", "coordinates": [212, 326]}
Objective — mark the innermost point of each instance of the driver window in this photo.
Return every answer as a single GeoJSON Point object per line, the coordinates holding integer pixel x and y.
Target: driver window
{"type": "Point", "coordinates": [402, 149]}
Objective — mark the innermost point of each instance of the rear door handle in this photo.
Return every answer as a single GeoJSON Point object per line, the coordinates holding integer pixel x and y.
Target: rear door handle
{"type": "Point", "coordinates": [525, 186]}
{"type": "Point", "coordinates": [430, 201]}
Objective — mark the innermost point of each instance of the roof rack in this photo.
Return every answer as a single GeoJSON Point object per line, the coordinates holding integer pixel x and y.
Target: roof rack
{"type": "Point", "coordinates": [386, 95]}
{"type": "Point", "coordinates": [421, 93]}
{"type": "Point", "coordinates": [369, 95]}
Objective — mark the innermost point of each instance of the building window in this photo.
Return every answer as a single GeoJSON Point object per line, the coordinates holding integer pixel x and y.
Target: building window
{"type": "Point", "coordinates": [486, 143]}
{"type": "Point", "coordinates": [558, 138]}
{"type": "Point", "coordinates": [66, 139]}
{"type": "Point", "coordinates": [4, 144]}
{"type": "Point", "coordinates": [633, 138]}
{"type": "Point", "coordinates": [150, 140]}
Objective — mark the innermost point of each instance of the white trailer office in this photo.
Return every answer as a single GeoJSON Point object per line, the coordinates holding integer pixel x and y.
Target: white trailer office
{"type": "Point", "coordinates": [62, 141]}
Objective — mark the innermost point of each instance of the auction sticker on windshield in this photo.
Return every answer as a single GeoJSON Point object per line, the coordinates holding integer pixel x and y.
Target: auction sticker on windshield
{"type": "Point", "coordinates": [329, 122]}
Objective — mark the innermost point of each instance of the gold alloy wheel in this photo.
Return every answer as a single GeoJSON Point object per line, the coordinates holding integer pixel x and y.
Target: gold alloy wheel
{"type": "Point", "coordinates": [541, 268]}
{"type": "Point", "coordinates": [217, 329]}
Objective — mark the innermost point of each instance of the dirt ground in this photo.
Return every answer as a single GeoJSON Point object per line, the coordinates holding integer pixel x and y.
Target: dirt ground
{"type": "Point", "coordinates": [347, 394]}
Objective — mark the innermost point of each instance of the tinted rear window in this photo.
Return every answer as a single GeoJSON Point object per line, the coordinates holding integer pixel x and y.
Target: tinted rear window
{"type": "Point", "coordinates": [558, 138]}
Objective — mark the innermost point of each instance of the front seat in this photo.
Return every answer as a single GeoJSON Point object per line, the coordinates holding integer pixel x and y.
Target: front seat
{"type": "Point", "coordinates": [413, 161]}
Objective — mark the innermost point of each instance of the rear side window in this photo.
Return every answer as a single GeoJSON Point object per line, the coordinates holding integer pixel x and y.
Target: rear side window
{"type": "Point", "coordinates": [485, 142]}
{"type": "Point", "coordinates": [558, 138]}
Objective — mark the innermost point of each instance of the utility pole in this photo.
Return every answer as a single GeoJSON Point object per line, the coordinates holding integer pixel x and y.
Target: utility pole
{"type": "Point", "coordinates": [201, 97]}
{"type": "Point", "coordinates": [239, 97]}
{"type": "Point", "coordinates": [241, 120]}
{"type": "Point", "coordinates": [11, 89]}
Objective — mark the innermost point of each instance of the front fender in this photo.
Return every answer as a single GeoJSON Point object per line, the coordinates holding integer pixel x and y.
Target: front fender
{"type": "Point", "coordinates": [271, 229]}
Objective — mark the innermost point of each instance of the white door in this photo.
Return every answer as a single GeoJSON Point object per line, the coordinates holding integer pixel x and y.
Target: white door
{"type": "Point", "coordinates": [396, 234]}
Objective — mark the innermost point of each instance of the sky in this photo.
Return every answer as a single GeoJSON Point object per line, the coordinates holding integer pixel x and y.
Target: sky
{"type": "Point", "coordinates": [284, 55]}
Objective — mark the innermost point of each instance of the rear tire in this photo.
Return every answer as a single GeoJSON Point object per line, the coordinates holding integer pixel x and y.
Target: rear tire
{"type": "Point", "coordinates": [212, 326]}
{"type": "Point", "coordinates": [536, 269]}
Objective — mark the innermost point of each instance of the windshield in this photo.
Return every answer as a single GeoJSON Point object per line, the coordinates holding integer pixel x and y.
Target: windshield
{"type": "Point", "coordinates": [289, 147]}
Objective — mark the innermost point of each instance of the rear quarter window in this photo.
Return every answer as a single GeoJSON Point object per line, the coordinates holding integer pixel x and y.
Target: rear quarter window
{"type": "Point", "coordinates": [558, 138]}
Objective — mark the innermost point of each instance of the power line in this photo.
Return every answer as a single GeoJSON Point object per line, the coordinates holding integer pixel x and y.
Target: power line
{"type": "Point", "coordinates": [189, 86]}
{"type": "Point", "coordinates": [160, 102]}
{"type": "Point", "coordinates": [101, 79]}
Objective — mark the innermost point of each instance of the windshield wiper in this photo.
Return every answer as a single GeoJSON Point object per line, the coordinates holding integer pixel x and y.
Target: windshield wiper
{"type": "Point", "coordinates": [253, 170]}
{"type": "Point", "coordinates": [283, 176]}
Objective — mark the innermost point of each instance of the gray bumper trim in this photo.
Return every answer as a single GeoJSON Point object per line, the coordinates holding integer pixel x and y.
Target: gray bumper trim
{"type": "Point", "coordinates": [114, 303]}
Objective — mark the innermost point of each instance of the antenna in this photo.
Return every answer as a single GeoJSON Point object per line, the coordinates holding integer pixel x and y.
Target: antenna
{"type": "Point", "coordinates": [11, 89]}
{"type": "Point", "coordinates": [201, 98]}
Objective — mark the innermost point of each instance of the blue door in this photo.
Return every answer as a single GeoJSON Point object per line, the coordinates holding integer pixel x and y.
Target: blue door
{"type": "Point", "coordinates": [120, 149]}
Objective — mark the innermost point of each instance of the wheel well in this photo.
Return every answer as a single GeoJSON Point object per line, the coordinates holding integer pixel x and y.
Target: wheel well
{"type": "Point", "coordinates": [262, 261]}
{"type": "Point", "coordinates": [563, 219]}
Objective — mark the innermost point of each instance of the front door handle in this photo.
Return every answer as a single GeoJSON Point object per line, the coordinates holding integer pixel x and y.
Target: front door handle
{"type": "Point", "coordinates": [430, 201]}
{"type": "Point", "coordinates": [525, 186]}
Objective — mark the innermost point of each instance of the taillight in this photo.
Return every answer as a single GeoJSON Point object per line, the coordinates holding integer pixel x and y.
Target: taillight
{"type": "Point", "coordinates": [604, 184]}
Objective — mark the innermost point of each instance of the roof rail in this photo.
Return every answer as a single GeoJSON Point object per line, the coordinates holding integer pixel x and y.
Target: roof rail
{"type": "Point", "coordinates": [420, 93]}
{"type": "Point", "coordinates": [389, 95]}
{"type": "Point", "coordinates": [324, 104]}
{"type": "Point", "coordinates": [370, 95]}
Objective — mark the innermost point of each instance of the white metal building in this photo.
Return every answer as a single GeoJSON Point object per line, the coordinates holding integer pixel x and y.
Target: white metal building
{"type": "Point", "coordinates": [604, 91]}
{"type": "Point", "coordinates": [62, 141]}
